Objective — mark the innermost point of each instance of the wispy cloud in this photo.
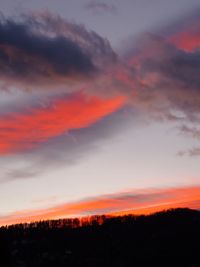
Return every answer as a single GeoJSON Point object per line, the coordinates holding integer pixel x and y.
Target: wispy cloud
{"type": "Point", "coordinates": [192, 152]}
{"type": "Point", "coordinates": [135, 201]}
{"type": "Point", "coordinates": [190, 131]}
{"type": "Point", "coordinates": [99, 7]}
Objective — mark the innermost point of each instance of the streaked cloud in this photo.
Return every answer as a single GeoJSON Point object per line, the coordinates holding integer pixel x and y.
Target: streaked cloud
{"type": "Point", "coordinates": [21, 132]}
{"type": "Point", "coordinates": [66, 150]}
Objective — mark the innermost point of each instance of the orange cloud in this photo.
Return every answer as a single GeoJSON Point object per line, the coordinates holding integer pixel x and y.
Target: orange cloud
{"type": "Point", "coordinates": [20, 131]}
{"type": "Point", "coordinates": [136, 202]}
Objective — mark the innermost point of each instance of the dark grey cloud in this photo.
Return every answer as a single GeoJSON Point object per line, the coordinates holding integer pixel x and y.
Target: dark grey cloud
{"type": "Point", "coordinates": [187, 19]}
{"type": "Point", "coordinates": [43, 48]}
{"type": "Point", "coordinates": [93, 44]}
{"type": "Point", "coordinates": [24, 53]}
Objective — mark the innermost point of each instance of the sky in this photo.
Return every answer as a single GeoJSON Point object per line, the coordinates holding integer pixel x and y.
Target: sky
{"type": "Point", "coordinates": [99, 107]}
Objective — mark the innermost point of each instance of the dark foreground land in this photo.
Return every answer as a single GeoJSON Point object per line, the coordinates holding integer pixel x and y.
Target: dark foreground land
{"type": "Point", "coordinates": [170, 238]}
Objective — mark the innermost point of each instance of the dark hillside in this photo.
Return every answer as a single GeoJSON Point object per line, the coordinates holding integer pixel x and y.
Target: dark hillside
{"type": "Point", "coordinates": [169, 238]}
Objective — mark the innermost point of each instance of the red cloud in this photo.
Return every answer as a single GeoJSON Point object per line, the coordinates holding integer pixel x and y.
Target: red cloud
{"type": "Point", "coordinates": [187, 39]}
{"type": "Point", "coordinates": [136, 202]}
{"type": "Point", "coordinates": [19, 132]}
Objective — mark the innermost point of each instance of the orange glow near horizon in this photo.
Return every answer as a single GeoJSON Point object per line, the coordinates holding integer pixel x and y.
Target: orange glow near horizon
{"type": "Point", "coordinates": [133, 202]}
{"type": "Point", "coordinates": [21, 132]}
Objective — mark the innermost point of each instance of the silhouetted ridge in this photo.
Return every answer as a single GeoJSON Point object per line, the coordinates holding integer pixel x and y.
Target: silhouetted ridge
{"type": "Point", "coordinates": [168, 238]}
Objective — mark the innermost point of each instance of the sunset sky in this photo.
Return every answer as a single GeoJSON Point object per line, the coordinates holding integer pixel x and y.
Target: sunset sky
{"type": "Point", "coordinates": [99, 107]}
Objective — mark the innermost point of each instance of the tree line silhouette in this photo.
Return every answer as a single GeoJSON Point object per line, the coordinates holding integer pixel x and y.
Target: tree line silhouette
{"type": "Point", "coordinates": [168, 238]}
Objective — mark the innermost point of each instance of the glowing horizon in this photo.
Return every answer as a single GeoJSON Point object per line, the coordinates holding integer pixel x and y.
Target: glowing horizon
{"type": "Point", "coordinates": [138, 202]}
